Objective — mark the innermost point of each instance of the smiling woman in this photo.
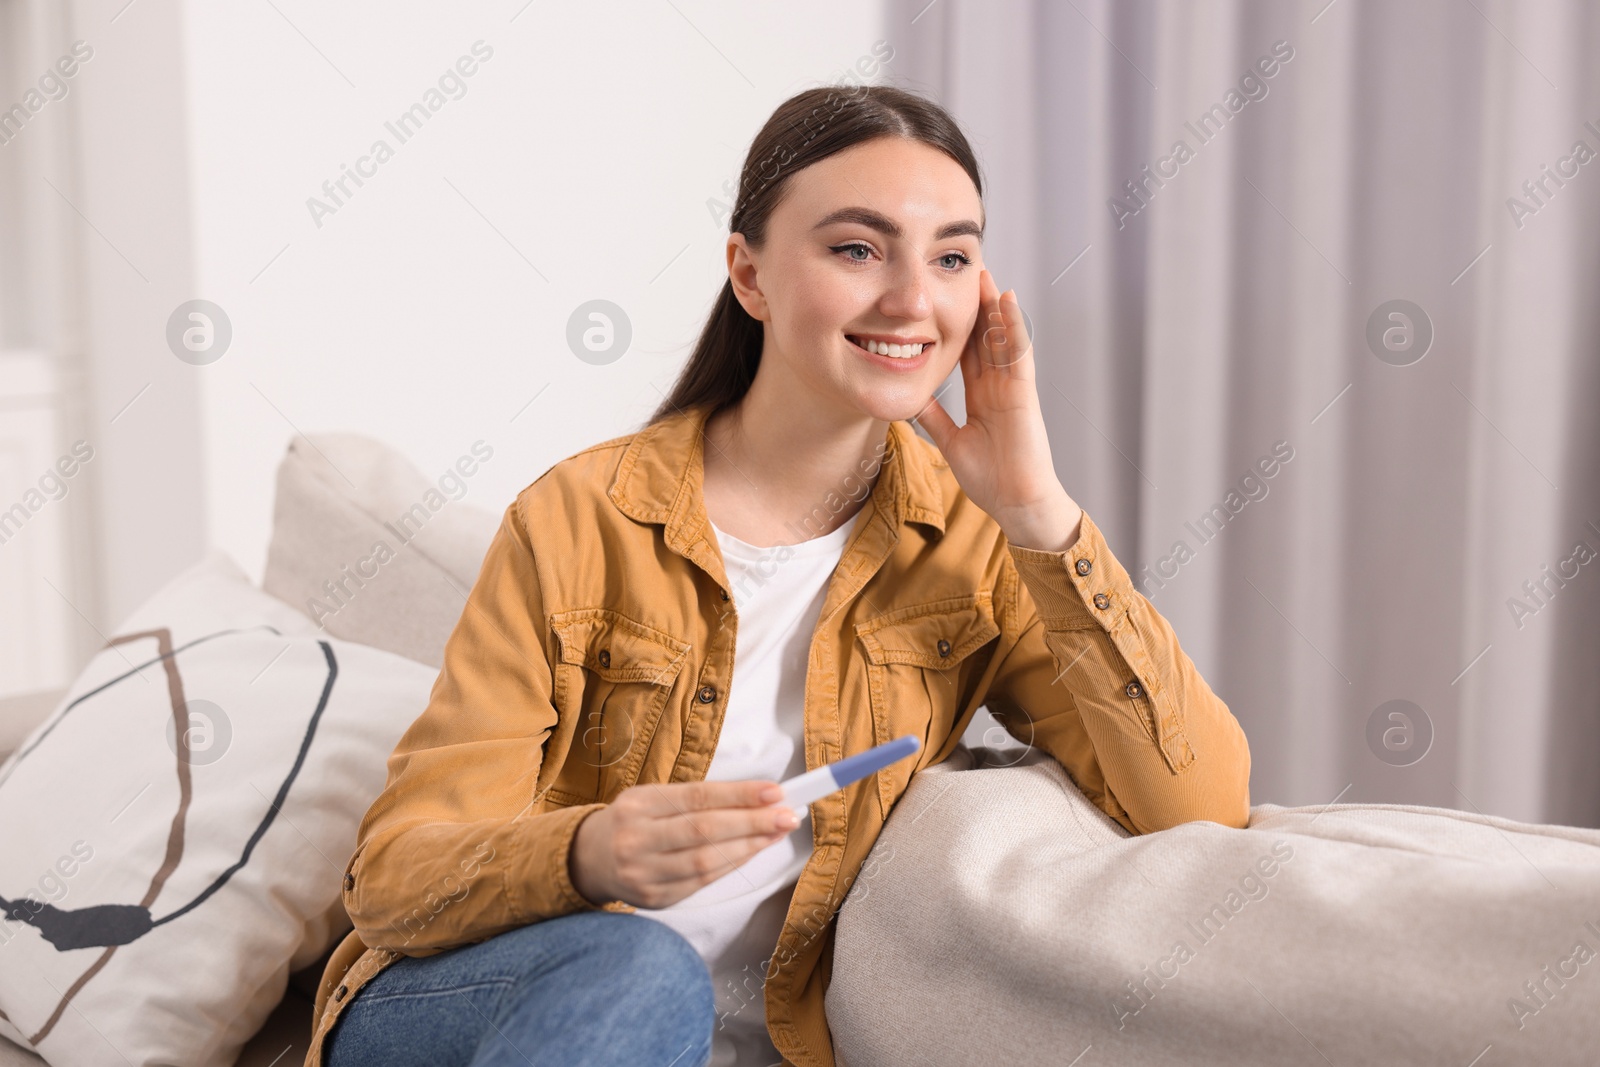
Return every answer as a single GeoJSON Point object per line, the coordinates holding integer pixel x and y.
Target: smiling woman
{"type": "Point", "coordinates": [884, 133]}
{"type": "Point", "coordinates": [592, 723]}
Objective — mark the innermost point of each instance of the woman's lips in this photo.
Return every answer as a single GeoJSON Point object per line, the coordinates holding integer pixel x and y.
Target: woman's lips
{"type": "Point", "coordinates": [899, 363]}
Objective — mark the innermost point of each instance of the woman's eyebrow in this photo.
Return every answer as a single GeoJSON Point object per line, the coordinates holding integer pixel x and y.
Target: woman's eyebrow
{"type": "Point", "coordinates": [883, 224]}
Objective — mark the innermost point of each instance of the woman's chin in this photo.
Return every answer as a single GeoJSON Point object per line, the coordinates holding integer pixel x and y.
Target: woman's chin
{"type": "Point", "coordinates": [893, 405]}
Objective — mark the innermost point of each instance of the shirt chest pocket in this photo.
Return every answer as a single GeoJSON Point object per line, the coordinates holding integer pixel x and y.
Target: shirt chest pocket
{"type": "Point", "coordinates": [921, 665]}
{"type": "Point", "coordinates": [613, 676]}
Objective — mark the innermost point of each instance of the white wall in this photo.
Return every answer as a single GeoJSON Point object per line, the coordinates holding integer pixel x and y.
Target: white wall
{"type": "Point", "coordinates": [591, 140]}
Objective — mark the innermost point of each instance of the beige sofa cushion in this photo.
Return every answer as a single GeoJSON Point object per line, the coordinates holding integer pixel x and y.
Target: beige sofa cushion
{"type": "Point", "coordinates": [1002, 918]}
{"type": "Point", "coordinates": [370, 548]}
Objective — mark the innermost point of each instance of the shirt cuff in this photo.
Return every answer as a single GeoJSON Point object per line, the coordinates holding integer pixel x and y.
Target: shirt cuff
{"type": "Point", "coordinates": [538, 882]}
{"type": "Point", "coordinates": [1085, 587]}
{"type": "Point", "coordinates": [1065, 584]}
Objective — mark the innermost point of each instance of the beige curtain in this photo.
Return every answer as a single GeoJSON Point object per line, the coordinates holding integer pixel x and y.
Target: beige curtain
{"type": "Point", "coordinates": [1326, 375]}
{"type": "Point", "coordinates": [49, 562]}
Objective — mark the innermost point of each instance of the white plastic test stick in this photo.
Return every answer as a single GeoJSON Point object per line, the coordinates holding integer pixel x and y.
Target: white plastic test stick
{"type": "Point", "coordinates": [802, 789]}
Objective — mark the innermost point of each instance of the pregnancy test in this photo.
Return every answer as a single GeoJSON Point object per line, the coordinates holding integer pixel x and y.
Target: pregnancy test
{"type": "Point", "coordinates": [802, 789]}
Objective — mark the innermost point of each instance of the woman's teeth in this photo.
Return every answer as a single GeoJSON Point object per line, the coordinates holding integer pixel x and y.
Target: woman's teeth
{"type": "Point", "coordinates": [892, 351]}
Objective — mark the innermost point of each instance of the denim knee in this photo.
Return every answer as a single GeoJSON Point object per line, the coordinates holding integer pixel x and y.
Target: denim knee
{"type": "Point", "coordinates": [626, 974]}
{"type": "Point", "coordinates": [656, 951]}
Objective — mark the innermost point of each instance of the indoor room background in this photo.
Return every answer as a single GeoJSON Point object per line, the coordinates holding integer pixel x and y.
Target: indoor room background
{"type": "Point", "coordinates": [1311, 284]}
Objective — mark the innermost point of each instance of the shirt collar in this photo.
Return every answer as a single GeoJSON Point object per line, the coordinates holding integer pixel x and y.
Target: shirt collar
{"type": "Point", "coordinates": [661, 479]}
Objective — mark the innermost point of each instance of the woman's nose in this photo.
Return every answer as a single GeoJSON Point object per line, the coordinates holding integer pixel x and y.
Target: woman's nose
{"type": "Point", "coordinates": [907, 294]}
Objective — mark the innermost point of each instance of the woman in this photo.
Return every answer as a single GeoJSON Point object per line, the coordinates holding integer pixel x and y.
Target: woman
{"type": "Point", "coordinates": [595, 756]}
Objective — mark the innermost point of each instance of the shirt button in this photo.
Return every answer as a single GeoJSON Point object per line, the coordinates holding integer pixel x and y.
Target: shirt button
{"type": "Point", "coordinates": [944, 647]}
{"type": "Point", "coordinates": [707, 694]}
{"type": "Point", "coordinates": [1084, 567]}
{"type": "Point", "coordinates": [1134, 689]}
{"type": "Point", "coordinates": [605, 657]}
{"type": "Point", "coordinates": [1102, 601]}
{"type": "Point", "coordinates": [349, 882]}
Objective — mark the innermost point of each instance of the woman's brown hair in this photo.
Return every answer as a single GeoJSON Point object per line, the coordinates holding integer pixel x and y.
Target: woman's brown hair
{"type": "Point", "coordinates": [806, 128]}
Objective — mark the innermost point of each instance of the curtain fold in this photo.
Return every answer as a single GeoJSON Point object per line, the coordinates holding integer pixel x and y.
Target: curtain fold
{"type": "Point", "coordinates": [1327, 389]}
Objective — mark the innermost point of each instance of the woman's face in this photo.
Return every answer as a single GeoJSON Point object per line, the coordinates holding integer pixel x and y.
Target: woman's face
{"type": "Point", "coordinates": [876, 245]}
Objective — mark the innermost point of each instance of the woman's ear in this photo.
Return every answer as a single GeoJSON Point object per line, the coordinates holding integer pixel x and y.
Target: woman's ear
{"type": "Point", "coordinates": [743, 275]}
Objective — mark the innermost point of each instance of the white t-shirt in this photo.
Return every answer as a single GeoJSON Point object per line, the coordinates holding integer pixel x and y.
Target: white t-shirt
{"type": "Point", "coordinates": [734, 921]}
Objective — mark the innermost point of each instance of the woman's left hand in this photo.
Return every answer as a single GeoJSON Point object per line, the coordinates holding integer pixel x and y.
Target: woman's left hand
{"type": "Point", "coordinates": [1001, 456]}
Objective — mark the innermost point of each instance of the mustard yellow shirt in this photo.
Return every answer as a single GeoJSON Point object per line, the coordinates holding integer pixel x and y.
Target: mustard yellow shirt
{"type": "Point", "coordinates": [603, 600]}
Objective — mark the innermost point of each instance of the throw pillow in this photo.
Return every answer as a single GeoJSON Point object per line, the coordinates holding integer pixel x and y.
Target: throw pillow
{"type": "Point", "coordinates": [173, 838]}
{"type": "Point", "coordinates": [371, 550]}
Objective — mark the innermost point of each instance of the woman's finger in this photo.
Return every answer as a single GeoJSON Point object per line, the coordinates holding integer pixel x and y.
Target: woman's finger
{"type": "Point", "coordinates": [709, 862]}
{"type": "Point", "coordinates": [716, 826]}
{"type": "Point", "coordinates": [991, 321]}
{"type": "Point", "coordinates": [664, 800]}
{"type": "Point", "coordinates": [1016, 323]}
{"type": "Point", "coordinates": [1006, 341]}
{"type": "Point", "coordinates": [975, 338]}
{"type": "Point", "coordinates": [1004, 318]}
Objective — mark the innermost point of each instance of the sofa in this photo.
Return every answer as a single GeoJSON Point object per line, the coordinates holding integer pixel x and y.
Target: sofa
{"type": "Point", "coordinates": [1001, 914]}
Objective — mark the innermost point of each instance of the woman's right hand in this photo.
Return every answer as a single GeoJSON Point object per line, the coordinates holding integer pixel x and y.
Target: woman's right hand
{"type": "Point", "coordinates": [656, 844]}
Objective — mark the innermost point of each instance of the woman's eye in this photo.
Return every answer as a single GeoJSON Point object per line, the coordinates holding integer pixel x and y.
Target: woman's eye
{"type": "Point", "coordinates": [961, 259]}
{"type": "Point", "coordinates": [850, 248]}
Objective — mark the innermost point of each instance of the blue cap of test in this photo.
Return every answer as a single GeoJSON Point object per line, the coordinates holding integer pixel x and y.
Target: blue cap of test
{"type": "Point", "coordinates": [852, 768]}
{"type": "Point", "coordinates": [805, 788]}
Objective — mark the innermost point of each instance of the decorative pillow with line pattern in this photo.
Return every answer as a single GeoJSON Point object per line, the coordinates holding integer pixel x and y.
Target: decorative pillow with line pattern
{"type": "Point", "coordinates": [173, 837]}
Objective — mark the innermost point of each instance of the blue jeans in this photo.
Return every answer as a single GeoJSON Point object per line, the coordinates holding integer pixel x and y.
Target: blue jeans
{"type": "Point", "coordinates": [589, 989]}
